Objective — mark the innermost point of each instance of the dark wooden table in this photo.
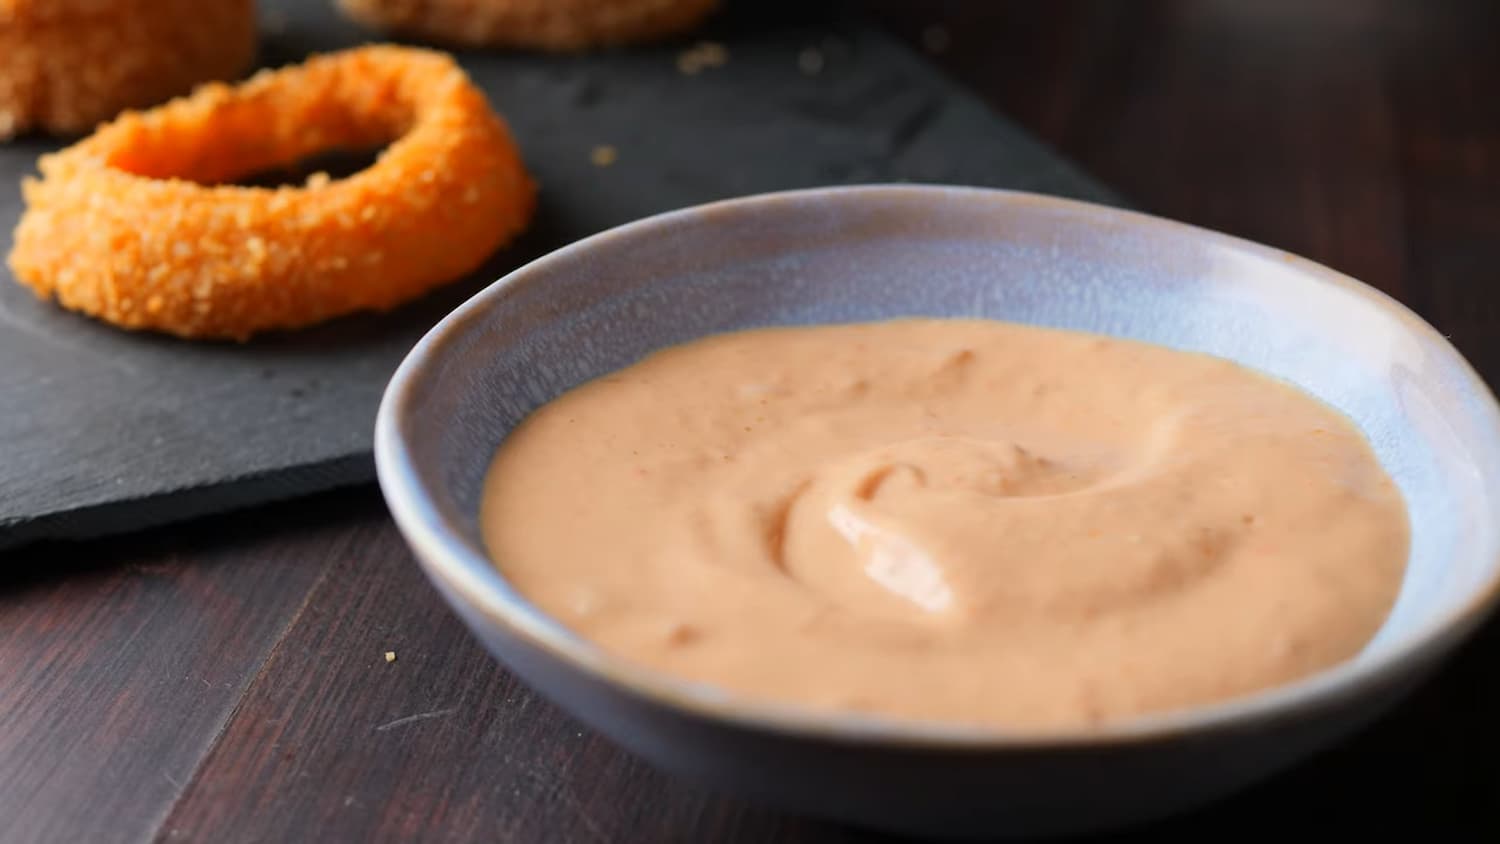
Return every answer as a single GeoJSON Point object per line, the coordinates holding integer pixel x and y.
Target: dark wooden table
{"type": "Point", "coordinates": [225, 680]}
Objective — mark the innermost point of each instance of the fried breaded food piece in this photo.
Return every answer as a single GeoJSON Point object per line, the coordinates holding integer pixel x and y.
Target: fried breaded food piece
{"type": "Point", "coordinates": [558, 25]}
{"type": "Point", "coordinates": [135, 225]}
{"type": "Point", "coordinates": [67, 65]}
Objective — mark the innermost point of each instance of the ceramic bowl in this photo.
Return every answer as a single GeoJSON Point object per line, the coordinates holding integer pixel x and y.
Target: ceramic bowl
{"type": "Point", "coordinates": [890, 251]}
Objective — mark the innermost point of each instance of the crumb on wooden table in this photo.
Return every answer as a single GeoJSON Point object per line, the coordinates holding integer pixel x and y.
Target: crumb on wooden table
{"type": "Point", "coordinates": [936, 38]}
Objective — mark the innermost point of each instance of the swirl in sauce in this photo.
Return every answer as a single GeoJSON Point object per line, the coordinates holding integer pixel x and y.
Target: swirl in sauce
{"type": "Point", "coordinates": [957, 520]}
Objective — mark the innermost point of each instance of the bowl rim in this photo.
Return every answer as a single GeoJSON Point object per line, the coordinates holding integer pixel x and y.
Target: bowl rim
{"type": "Point", "coordinates": [475, 580]}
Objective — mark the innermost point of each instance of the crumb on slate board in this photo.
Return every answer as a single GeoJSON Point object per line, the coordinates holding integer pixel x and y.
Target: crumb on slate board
{"type": "Point", "coordinates": [604, 155]}
{"type": "Point", "coordinates": [810, 61]}
{"type": "Point", "coordinates": [700, 56]}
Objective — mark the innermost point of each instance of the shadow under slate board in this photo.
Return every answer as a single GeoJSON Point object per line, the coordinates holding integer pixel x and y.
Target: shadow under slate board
{"type": "Point", "coordinates": [104, 431]}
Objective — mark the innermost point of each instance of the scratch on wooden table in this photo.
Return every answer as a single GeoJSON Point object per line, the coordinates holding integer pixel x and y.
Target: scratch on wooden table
{"type": "Point", "coordinates": [420, 716]}
{"type": "Point", "coordinates": [584, 816]}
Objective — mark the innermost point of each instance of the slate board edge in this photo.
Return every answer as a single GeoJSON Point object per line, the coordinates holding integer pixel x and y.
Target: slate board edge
{"type": "Point", "coordinates": [133, 514]}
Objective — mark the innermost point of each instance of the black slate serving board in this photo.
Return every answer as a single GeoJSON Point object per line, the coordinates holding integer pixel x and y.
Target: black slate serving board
{"type": "Point", "coordinates": [103, 431]}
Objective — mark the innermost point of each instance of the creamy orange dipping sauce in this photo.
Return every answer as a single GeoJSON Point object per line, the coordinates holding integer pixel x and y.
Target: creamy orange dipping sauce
{"type": "Point", "coordinates": [963, 521]}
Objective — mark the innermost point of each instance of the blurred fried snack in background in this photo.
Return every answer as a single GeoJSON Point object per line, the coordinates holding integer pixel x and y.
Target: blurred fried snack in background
{"type": "Point", "coordinates": [67, 65]}
{"type": "Point", "coordinates": [559, 25]}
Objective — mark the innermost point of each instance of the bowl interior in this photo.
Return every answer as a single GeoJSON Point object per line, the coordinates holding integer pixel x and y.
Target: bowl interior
{"type": "Point", "coordinates": [884, 252]}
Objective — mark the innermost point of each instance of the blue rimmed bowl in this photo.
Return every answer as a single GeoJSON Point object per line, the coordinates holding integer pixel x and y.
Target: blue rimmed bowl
{"type": "Point", "coordinates": [843, 254]}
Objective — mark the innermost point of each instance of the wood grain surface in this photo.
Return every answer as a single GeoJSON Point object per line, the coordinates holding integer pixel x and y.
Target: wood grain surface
{"type": "Point", "coordinates": [225, 681]}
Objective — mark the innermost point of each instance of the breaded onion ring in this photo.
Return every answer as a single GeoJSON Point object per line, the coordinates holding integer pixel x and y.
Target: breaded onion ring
{"type": "Point", "coordinates": [67, 65]}
{"type": "Point", "coordinates": [560, 25]}
{"type": "Point", "coordinates": [133, 224]}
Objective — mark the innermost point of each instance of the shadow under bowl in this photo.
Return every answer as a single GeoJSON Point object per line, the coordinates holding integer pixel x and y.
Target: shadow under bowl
{"type": "Point", "coordinates": [877, 252]}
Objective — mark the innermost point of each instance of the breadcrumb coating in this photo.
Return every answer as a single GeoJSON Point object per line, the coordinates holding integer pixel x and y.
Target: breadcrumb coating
{"type": "Point", "coordinates": [67, 65]}
{"type": "Point", "coordinates": [556, 25]}
{"type": "Point", "coordinates": [134, 225]}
